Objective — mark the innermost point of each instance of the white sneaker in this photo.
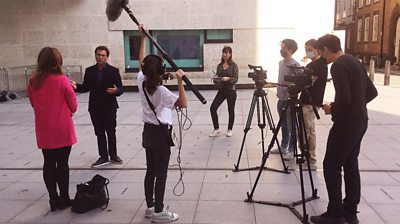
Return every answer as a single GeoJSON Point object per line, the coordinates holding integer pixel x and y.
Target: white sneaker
{"type": "Point", "coordinates": [164, 216]}
{"type": "Point", "coordinates": [229, 133]}
{"type": "Point", "coordinates": [276, 151]}
{"type": "Point", "coordinates": [149, 212]}
{"type": "Point", "coordinates": [215, 132]}
{"type": "Point", "coordinates": [288, 156]}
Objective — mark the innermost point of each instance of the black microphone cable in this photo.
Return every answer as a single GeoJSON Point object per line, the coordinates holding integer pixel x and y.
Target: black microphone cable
{"type": "Point", "coordinates": [184, 123]}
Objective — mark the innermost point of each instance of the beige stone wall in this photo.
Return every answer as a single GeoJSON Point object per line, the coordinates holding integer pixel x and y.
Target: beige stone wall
{"type": "Point", "coordinates": [76, 27]}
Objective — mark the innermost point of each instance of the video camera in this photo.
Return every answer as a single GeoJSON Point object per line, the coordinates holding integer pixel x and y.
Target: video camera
{"type": "Point", "coordinates": [301, 78]}
{"type": "Point", "coordinates": [259, 75]}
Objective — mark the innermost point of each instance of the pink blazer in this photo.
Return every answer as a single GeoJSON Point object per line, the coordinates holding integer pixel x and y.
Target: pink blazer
{"type": "Point", "coordinates": [53, 104]}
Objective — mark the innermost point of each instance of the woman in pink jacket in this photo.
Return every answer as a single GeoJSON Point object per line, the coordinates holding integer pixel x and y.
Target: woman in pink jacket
{"type": "Point", "coordinates": [54, 103]}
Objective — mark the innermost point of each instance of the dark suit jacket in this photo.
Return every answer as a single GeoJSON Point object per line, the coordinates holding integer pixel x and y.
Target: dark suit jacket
{"type": "Point", "coordinates": [99, 99]}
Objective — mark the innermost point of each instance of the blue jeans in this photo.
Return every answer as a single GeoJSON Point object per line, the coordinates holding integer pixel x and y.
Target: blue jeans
{"type": "Point", "coordinates": [286, 142]}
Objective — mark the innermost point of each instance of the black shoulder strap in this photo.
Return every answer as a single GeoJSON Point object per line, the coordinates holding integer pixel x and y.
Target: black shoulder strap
{"type": "Point", "coordinates": [149, 102]}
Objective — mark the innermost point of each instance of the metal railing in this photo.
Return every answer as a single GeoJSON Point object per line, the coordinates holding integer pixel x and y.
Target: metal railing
{"type": "Point", "coordinates": [14, 80]}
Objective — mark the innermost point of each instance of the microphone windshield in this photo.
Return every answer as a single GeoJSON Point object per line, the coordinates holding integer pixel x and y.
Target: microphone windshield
{"type": "Point", "coordinates": [114, 9]}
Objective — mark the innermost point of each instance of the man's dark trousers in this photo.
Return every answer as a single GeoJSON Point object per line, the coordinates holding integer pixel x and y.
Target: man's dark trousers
{"type": "Point", "coordinates": [105, 122]}
{"type": "Point", "coordinates": [343, 148]}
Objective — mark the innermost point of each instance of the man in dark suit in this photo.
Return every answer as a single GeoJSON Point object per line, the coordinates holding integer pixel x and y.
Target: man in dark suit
{"type": "Point", "coordinates": [104, 83]}
{"type": "Point", "coordinates": [353, 90]}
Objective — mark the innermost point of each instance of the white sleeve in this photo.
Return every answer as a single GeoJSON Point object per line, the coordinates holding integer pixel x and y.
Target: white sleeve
{"type": "Point", "coordinates": [168, 99]}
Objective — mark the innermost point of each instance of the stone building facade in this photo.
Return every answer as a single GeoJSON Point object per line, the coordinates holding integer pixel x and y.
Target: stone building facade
{"type": "Point", "coordinates": [253, 28]}
{"type": "Point", "coordinates": [372, 28]}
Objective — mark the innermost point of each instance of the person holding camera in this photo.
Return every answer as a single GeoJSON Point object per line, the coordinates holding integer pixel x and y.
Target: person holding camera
{"type": "Point", "coordinates": [288, 48]}
{"type": "Point", "coordinates": [157, 103]}
{"type": "Point", "coordinates": [353, 90]}
{"type": "Point", "coordinates": [312, 97]}
{"type": "Point", "coordinates": [227, 77]}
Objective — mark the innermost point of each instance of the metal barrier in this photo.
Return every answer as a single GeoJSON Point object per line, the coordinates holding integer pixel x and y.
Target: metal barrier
{"type": "Point", "coordinates": [3, 80]}
{"type": "Point", "coordinates": [18, 77]}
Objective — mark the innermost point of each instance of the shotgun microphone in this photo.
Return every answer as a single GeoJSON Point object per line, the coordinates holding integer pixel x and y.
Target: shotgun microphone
{"type": "Point", "coordinates": [114, 10]}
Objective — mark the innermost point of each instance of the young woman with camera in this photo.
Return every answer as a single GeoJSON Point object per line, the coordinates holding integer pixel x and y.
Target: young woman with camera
{"type": "Point", "coordinates": [227, 73]}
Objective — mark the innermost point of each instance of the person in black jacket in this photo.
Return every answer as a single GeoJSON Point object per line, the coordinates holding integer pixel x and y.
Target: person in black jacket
{"type": "Point", "coordinates": [312, 97]}
{"type": "Point", "coordinates": [104, 83]}
{"type": "Point", "coordinates": [227, 76]}
{"type": "Point", "coordinates": [353, 90]}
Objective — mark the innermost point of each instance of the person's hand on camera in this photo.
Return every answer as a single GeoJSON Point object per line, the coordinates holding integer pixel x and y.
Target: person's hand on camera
{"type": "Point", "coordinates": [327, 108]}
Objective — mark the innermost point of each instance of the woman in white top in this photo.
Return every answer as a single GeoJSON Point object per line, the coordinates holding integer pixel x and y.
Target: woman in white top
{"type": "Point", "coordinates": [156, 137]}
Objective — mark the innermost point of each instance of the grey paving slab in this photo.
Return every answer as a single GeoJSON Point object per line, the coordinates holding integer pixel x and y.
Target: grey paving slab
{"type": "Point", "coordinates": [212, 192]}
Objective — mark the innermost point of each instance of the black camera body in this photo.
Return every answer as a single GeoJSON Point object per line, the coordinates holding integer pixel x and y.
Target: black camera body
{"type": "Point", "coordinates": [259, 75]}
{"type": "Point", "coordinates": [301, 78]}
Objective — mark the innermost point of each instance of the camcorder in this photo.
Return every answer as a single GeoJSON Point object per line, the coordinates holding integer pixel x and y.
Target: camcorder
{"type": "Point", "coordinates": [300, 79]}
{"type": "Point", "coordinates": [259, 75]}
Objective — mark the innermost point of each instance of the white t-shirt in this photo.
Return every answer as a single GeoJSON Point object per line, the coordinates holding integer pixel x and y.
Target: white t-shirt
{"type": "Point", "coordinates": [162, 99]}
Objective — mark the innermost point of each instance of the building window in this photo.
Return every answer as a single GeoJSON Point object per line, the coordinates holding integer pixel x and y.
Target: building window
{"type": "Point", "coordinates": [360, 3]}
{"type": "Point", "coordinates": [184, 47]}
{"type": "Point", "coordinates": [375, 1]}
{"type": "Point", "coordinates": [218, 36]}
{"type": "Point", "coordinates": [366, 29]}
{"type": "Point", "coordinates": [359, 30]}
{"type": "Point", "coordinates": [367, 2]}
{"type": "Point", "coordinates": [348, 38]}
{"type": "Point", "coordinates": [375, 27]}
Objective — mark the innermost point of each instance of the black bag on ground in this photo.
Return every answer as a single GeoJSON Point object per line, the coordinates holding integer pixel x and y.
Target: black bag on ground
{"type": "Point", "coordinates": [90, 195]}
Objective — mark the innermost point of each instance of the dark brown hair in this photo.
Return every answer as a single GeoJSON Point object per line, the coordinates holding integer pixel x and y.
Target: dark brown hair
{"type": "Point", "coordinates": [290, 45]}
{"type": "Point", "coordinates": [227, 49]}
{"type": "Point", "coordinates": [329, 41]}
{"type": "Point", "coordinates": [102, 48]}
{"type": "Point", "coordinates": [311, 42]}
{"type": "Point", "coordinates": [153, 69]}
{"type": "Point", "coordinates": [49, 62]}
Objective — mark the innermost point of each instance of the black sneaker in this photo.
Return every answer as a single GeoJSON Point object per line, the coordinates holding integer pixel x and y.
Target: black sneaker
{"type": "Point", "coordinates": [326, 218]}
{"type": "Point", "coordinates": [100, 162]}
{"type": "Point", "coordinates": [351, 219]}
{"type": "Point", "coordinates": [116, 160]}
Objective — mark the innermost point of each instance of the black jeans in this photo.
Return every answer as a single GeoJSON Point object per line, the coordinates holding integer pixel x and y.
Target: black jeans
{"type": "Point", "coordinates": [56, 171]}
{"type": "Point", "coordinates": [155, 141]}
{"type": "Point", "coordinates": [342, 150]}
{"type": "Point", "coordinates": [230, 96]}
{"type": "Point", "coordinates": [105, 122]}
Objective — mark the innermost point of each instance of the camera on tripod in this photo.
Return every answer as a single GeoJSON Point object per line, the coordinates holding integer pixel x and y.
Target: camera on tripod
{"type": "Point", "coordinates": [259, 75]}
{"type": "Point", "coordinates": [300, 79]}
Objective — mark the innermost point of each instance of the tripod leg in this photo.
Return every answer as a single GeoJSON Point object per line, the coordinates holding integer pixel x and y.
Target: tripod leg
{"type": "Point", "coordinates": [274, 137]}
{"type": "Point", "coordinates": [246, 129]}
{"type": "Point", "coordinates": [267, 113]}
{"type": "Point", "coordinates": [306, 149]}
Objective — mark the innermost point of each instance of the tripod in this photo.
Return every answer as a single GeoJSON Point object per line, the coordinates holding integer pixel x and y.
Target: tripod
{"type": "Point", "coordinates": [297, 127]}
{"type": "Point", "coordinates": [259, 94]}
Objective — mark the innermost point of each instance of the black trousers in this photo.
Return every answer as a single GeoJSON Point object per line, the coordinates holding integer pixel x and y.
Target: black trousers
{"type": "Point", "coordinates": [56, 171]}
{"type": "Point", "coordinates": [158, 151]}
{"type": "Point", "coordinates": [105, 122]}
{"type": "Point", "coordinates": [230, 96]}
{"type": "Point", "coordinates": [342, 150]}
